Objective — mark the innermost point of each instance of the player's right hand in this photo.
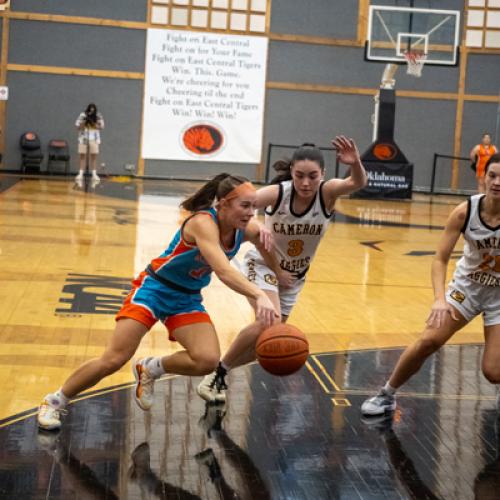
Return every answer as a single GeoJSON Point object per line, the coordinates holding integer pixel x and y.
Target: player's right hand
{"type": "Point", "coordinates": [265, 311]}
{"type": "Point", "coordinates": [440, 310]}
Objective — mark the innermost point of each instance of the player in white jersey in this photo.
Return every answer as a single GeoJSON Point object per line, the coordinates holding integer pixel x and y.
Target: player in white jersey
{"type": "Point", "coordinates": [299, 204]}
{"type": "Point", "coordinates": [474, 289]}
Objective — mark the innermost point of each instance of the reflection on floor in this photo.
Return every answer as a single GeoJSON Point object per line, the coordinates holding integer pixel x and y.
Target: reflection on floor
{"type": "Point", "coordinates": [298, 437]}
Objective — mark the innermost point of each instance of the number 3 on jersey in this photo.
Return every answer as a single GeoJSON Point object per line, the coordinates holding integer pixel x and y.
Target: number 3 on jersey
{"type": "Point", "coordinates": [490, 262]}
{"type": "Point", "coordinates": [295, 247]}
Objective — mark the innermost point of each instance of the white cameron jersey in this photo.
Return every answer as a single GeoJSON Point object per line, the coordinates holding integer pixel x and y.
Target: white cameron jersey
{"type": "Point", "coordinates": [296, 236]}
{"type": "Point", "coordinates": [481, 258]}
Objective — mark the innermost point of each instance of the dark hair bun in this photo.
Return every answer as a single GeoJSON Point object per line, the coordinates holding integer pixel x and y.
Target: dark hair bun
{"type": "Point", "coordinates": [282, 165]}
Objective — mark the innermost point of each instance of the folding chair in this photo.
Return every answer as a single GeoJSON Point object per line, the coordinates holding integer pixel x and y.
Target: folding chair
{"type": "Point", "coordinates": [31, 152]}
{"type": "Point", "coordinates": [58, 155]}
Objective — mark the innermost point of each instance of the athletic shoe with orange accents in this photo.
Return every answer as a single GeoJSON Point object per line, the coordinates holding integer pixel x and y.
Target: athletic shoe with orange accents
{"type": "Point", "coordinates": [49, 418]}
{"type": "Point", "coordinates": [144, 384]}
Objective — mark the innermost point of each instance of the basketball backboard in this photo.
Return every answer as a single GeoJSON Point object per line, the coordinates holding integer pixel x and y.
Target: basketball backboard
{"type": "Point", "coordinates": [392, 31]}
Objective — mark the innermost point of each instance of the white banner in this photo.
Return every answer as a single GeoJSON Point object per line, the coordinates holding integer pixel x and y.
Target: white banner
{"type": "Point", "coordinates": [204, 96]}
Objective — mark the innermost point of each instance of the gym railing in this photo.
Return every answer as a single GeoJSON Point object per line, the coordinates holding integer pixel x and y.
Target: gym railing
{"type": "Point", "coordinates": [434, 167]}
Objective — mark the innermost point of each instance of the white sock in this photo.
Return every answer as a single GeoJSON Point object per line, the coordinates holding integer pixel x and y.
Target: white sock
{"type": "Point", "coordinates": [57, 399]}
{"type": "Point", "coordinates": [388, 389]}
{"type": "Point", "coordinates": [227, 368]}
{"type": "Point", "coordinates": [154, 367]}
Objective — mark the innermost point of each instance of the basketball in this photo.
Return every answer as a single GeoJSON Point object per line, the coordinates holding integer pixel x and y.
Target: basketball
{"type": "Point", "coordinates": [282, 349]}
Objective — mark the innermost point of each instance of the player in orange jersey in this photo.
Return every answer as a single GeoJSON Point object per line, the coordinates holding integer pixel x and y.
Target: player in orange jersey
{"type": "Point", "coordinates": [479, 156]}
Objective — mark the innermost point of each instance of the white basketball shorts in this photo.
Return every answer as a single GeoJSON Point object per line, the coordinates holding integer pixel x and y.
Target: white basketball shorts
{"type": "Point", "coordinates": [472, 299]}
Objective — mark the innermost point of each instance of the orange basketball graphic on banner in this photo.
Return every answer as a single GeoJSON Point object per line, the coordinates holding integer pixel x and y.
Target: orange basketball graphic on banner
{"type": "Point", "coordinates": [384, 151]}
{"type": "Point", "coordinates": [202, 139]}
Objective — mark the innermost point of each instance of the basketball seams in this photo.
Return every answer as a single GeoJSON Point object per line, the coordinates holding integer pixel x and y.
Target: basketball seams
{"type": "Point", "coordinates": [261, 356]}
{"type": "Point", "coordinates": [275, 337]}
{"type": "Point", "coordinates": [282, 349]}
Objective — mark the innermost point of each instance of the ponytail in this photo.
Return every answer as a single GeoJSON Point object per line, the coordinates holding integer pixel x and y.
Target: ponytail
{"type": "Point", "coordinates": [214, 189]}
{"type": "Point", "coordinates": [282, 167]}
{"type": "Point", "coordinates": [306, 151]}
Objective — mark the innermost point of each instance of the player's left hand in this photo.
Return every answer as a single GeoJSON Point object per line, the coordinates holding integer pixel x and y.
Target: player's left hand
{"type": "Point", "coordinates": [265, 312]}
{"type": "Point", "coordinates": [286, 279]}
{"type": "Point", "coordinates": [347, 151]}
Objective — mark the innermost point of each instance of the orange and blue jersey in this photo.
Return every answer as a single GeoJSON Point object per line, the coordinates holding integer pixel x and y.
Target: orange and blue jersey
{"type": "Point", "coordinates": [182, 262]}
{"type": "Point", "coordinates": [169, 290]}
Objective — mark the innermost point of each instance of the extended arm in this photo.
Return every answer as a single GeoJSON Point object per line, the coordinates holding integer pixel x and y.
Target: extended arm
{"type": "Point", "coordinates": [267, 196]}
{"type": "Point", "coordinates": [440, 265]}
{"type": "Point", "coordinates": [347, 152]}
{"type": "Point", "coordinates": [252, 234]}
{"type": "Point", "coordinates": [206, 235]}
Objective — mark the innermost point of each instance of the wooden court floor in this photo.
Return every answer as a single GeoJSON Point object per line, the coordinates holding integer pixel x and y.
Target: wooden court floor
{"type": "Point", "coordinates": [67, 257]}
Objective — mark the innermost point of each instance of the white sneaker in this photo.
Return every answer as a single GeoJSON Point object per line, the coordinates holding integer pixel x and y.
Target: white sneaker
{"type": "Point", "coordinates": [213, 386]}
{"type": "Point", "coordinates": [144, 385]}
{"type": "Point", "coordinates": [95, 177]}
{"type": "Point", "coordinates": [379, 404]}
{"type": "Point", "coordinates": [49, 418]}
{"type": "Point", "coordinates": [79, 177]}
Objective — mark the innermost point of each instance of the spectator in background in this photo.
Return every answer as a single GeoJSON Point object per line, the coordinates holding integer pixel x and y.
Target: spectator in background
{"type": "Point", "coordinates": [89, 123]}
{"type": "Point", "coordinates": [479, 155]}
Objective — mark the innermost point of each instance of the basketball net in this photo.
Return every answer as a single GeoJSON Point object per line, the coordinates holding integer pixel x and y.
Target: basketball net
{"type": "Point", "coordinates": [415, 60]}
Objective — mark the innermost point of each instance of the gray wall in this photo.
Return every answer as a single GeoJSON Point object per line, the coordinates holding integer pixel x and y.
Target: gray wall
{"type": "Point", "coordinates": [326, 18]}
{"type": "Point", "coordinates": [479, 117]}
{"type": "Point", "coordinates": [423, 126]}
{"type": "Point", "coordinates": [125, 10]}
{"type": "Point", "coordinates": [483, 74]}
{"type": "Point", "coordinates": [49, 104]}
{"type": "Point", "coordinates": [75, 45]}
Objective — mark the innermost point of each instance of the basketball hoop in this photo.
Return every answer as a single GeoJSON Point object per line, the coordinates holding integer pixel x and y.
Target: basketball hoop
{"type": "Point", "coordinates": [415, 59]}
